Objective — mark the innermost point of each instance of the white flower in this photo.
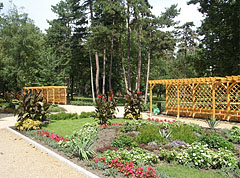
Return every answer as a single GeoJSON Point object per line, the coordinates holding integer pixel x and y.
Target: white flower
{"type": "Point", "coordinates": [194, 154]}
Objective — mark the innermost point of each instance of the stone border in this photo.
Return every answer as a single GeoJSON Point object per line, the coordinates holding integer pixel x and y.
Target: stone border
{"type": "Point", "coordinates": [60, 158]}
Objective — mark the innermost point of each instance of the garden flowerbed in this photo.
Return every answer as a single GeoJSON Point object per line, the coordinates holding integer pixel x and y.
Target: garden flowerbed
{"type": "Point", "coordinates": [138, 148]}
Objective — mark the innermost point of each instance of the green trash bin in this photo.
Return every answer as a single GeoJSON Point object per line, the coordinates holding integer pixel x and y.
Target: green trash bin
{"type": "Point", "coordinates": [156, 111]}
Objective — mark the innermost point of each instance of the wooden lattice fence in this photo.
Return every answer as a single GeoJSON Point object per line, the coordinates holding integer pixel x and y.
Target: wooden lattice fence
{"type": "Point", "coordinates": [52, 94]}
{"type": "Point", "coordinates": [202, 97]}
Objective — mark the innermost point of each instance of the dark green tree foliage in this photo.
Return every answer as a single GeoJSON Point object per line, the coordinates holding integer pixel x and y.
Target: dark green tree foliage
{"type": "Point", "coordinates": [187, 40]}
{"type": "Point", "coordinates": [21, 44]}
{"type": "Point", "coordinates": [65, 38]}
{"type": "Point", "coordinates": [221, 36]}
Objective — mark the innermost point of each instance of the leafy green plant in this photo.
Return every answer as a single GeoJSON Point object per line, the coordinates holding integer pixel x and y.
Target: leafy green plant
{"type": "Point", "coordinates": [122, 141]}
{"type": "Point", "coordinates": [105, 108]}
{"type": "Point", "coordinates": [165, 133]}
{"type": "Point", "coordinates": [81, 142]}
{"type": "Point", "coordinates": [133, 105]}
{"type": "Point", "coordinates": [184, 133]}
{"type": "Point", "coordinates": [64, 116]}
{"type": "Point", "coordinates": [215, 140]}
{"type": "Point", "coordinates": [149, 134]}
{"type": "Point", "coordinates": [213, 123]}
{"type": "Point", "coordinates": [31, 106]}
{"type": "Point", "coordinates": [9, 96]}
{"type": "Point", "coordinates": [234, 134]}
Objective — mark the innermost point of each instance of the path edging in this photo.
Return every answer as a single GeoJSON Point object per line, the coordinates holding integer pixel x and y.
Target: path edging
{"type": "Point", "coordinates": [60, 158]}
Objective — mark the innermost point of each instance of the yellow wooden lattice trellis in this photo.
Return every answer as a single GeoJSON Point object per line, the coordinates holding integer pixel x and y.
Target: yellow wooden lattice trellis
{"type": "Point", "coordinates": [202, 97]}
{"type": "Point", "coordinates": [52, 94]}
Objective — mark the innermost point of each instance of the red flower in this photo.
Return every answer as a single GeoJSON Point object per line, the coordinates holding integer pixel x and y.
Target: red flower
{"type": "Point", "coordinates": [149, 118]}
{"type": "Point", "coordinates": [99, 96]}
{"type": "Point", "coordinates": [111, 92]}
{"type": "Point", "coordinates": [110, 97]}
{"type": "Point", "coordinates": [119, 95]}
{"type": "Point", "coordinates": [125, 96]}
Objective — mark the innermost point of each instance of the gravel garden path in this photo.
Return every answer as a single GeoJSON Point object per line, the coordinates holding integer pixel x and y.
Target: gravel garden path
{"type": "Point", "coordinates": [20, 159]}
{"type": "Point", "coordinates": [120, 112]}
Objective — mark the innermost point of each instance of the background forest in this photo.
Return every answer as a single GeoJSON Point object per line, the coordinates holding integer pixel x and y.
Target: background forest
{"type": "Point", "coordinates": [97, 46]}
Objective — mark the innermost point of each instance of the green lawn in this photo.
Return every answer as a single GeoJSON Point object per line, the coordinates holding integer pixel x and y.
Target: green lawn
{"type": "Point", "coordinates": [66, 127]}
{"type": "Point", "coordinates": [179, 171]}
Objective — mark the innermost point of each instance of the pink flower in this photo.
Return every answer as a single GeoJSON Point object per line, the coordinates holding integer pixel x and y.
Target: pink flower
{"type": "Point", "coordinates": [119, 95]}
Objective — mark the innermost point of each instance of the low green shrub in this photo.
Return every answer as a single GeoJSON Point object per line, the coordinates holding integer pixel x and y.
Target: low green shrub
{"type": "Point", "coordinates": [196, 128]}
{"type": "Point", "coordinates": [234, 134]}
{"type": "Point", "coordinates": [200, 156]}
{"type": "Point", "coordinates": [184, 133]}
{"type": "Point", "coordinates": [122, 141]}
{"type": "Point", "coordinates": [56, 108]}
{"type": "Point", "coordinates": [215, 140]}
{"type": "Point", "coordinates": [136, 155]}
{"type": "Point", "coordinates": [149, 133]}
{"type": "Point", "coordinates": [64, 116]}
{"type": "Point", "coordinates": [87, 114]}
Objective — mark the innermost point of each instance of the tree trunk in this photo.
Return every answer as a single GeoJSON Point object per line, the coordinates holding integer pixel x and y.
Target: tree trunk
{"type": "Point", "coordinates": [111, 61]}
{"type": "Point", "coordinates": [97, 73]}
{"type": "Point", "coordinates": [123, 65]}
{"type": "Point", "coordinates": [72, 87]}
{"type": "Point", "coordinates": [91, 70]}
{"type": "Point", "coordinates": [90, 57]}
{"type": "Point", "coordinates": [148, 69]}
{"type": "Point", "coordinates": [104, 68]}
{"type": "Point", "coordinates": [139, 58]}
{"type": "Point", "coordinates": [128, 45]}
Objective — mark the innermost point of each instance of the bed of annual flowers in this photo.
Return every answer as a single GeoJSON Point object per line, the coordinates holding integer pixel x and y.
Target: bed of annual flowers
{"type": "Point", "coordinates": [110, 125]}
{"type": "Point", "coordinates": [128, 168]}
{"type": "Point", "coordinates": [136, 154]}
{"type": "Point", "coordinates": [55, 137]}
{"type": "Point", "coordinates": [201, 156]}
{"type": "Point", "coordinates": [161, 120]}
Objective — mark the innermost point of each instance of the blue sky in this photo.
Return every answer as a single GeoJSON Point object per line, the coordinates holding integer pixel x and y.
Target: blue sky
{"type": "Point", "coordinates": [40, 10]}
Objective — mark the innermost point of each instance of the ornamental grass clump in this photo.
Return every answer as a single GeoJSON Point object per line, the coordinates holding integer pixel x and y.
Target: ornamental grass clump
{"type": "Point", "coordinates": [184, 133]}
{"type": "Point", "coordinates": [81, 142]}
{"type": "Point", "coordinates": [105, 108]}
